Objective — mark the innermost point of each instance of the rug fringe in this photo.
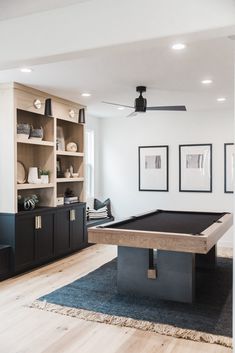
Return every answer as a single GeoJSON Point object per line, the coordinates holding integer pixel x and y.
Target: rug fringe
{"type": "Point", "coordinates": [162, 329]}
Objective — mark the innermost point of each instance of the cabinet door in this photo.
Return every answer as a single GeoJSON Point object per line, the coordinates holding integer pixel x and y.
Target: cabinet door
{"type": "Point", "coordinates": [62, 231]}
{"type": "Point", "coordinates": [45, 237]}
{"type": "Point", "coordinates": [77, 228]}
{"type": "Point", "coordinates": [24, 242]}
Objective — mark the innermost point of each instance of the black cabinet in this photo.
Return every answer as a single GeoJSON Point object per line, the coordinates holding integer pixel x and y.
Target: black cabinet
{"type": "Point", "coordinates": [24, 242]}
{"type": "Point", "coordinates": [44, 236]}
{"type": "Point", "coordinates": [62, 231]}
{"type": "Point", "coordinates": [34, 238]}
{"type": "Point", "coordinates": [38, 236]}
{"type": "Point", "coordinates": [69, 229]}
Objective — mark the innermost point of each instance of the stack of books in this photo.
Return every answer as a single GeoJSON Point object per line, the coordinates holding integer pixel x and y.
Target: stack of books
{"type": "Point", "coordinates": [71, 199]}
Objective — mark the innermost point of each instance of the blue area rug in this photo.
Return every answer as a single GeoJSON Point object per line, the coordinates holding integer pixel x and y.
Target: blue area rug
{"type": "Point", "coordinates": [94, 297]}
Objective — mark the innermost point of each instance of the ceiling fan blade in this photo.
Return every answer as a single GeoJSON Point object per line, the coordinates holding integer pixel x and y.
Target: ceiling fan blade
{"type": "Point", "coordinates": [132, 114]}
{"type": "Point", "coordinates": [169, 108]}
{"type": "Point", "coordinates": [120, 105]}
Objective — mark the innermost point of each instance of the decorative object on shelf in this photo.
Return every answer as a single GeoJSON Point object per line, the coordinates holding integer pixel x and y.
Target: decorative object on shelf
{"type": "Point", "coordinates": [36, 134]}
{"type": "Point", "coordinates": [44, 176]}
{"type": "Point", "coordinates": [67, 174]}
{"type": "Point", "coordinates": [37, 104]}
{"type": "Point", "coordinates": [71, 113]}
{"type": "Point", "coordinates": [71, 147]}
{"type": "Point", "coordinates": [229, 166]}
{"type": "Point", "coordinates": [48, 108]}
{"type": "Point", "coordinates": [70, 196]}
{"type": "Point", "coordinates": [81, 116]}
{"type": "Point", "coordinates": [153, 168]}
{"type": "Point", "coordinates": [27, 203]}
{"type": "Point", "coordinates": [59, 200]}
{"type": "Point", "coordinates": [33, 176]}
{"type": "Point", "coordinates": [59, 173]}
{"type": "Point", "coordinates": [75, 175]}
{"type": "Point", "coordinates": [195, 168]}
{"type": "Point", "coordinates": [71, 171]}
{"type": "Point", "coordinates": [60, 143]}
{"type": "Point", "coordinates": [21, 173]}
{"type": "Point", "coordinates": [23, 131]}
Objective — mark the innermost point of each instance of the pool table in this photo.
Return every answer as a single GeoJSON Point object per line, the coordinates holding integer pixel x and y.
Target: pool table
{"type": "Point", "coordinates": [159, 251]}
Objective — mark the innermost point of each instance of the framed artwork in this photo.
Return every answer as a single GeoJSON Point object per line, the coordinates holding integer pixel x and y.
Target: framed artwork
{"type": "Point", "coordinates": [153, 168]}
{"type": "Point", "coordinates": [59, 173]}
{"type": "Point", "coordinates": [229, 165]}
{"type": "Point", "coordinates": [195, 168]}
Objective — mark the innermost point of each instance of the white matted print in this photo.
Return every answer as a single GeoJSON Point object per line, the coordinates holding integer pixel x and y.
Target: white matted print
{"type": "Point", "coordinates": [153, 168]}
{"type": "Point", "coordinates": [195, 169]}
{"type": "Point", "coordinates": [229, 166]}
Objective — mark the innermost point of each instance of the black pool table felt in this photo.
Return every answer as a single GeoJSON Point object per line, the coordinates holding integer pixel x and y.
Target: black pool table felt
{"type": "Point", "coordinates": [170, 222]}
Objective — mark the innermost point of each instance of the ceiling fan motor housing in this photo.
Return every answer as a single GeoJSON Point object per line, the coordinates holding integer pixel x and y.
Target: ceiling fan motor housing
{"type": "Point", "coordinates": [140, 102]}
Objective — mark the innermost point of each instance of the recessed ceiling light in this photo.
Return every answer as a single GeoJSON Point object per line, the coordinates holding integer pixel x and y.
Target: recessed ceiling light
{"type": "Point", "coordinates": [121, 108]}
{"type": "Point", "coordinates": [221, 99]}
{"type": "Point", "coordinates": [178, 46]}
{"type": "Point", "coordinates": [26, 70]}
{"type": "Point", "coordinates": [206, 82]}
{"type": "Point", "coordinates": [86, 94]}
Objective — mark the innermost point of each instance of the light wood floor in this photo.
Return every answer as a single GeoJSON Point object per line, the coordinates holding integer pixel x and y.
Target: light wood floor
{"type": "Point", "coordinates": [25, 330]}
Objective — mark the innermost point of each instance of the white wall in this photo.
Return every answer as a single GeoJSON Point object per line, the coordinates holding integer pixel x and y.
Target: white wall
{"type": "Point", "coordinates": [93, 123]}
{"type": "Point", "coordinates": [119, 151]}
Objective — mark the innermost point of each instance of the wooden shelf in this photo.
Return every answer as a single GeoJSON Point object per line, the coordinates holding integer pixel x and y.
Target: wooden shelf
{"type": "Point", "coordinates": [72, 154]}
{"type": "Point", "coordinates": [34, 186]}
{"type": "Point", "coordinates": [35, 142]}
{"type": "Point", "coordinates": [69, 180]}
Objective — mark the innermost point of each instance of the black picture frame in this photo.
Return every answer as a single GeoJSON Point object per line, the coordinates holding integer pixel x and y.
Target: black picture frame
{"type": "Point", "coordinates": [164, 149]}
{"type": "Point", "coordinates": [227, 190]}
{"type": "Point", "coordinates": [59, 173]}
{"type": "Point", "coordinates": [198, 150]}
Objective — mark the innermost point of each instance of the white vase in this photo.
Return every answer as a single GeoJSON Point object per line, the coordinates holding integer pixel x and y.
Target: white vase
{"type": "Point", "coordinates": [33, 176]}
{"type": "Point", "coordinates": [44, 179]}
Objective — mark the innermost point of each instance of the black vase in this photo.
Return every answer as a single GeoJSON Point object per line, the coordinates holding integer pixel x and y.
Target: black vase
{"type": "Point", "coordinates": [81, 117]}
{"type": "Point", "coordinates": [48, 109]}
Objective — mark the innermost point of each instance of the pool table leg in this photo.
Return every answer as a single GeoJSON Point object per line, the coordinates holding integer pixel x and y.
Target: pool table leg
{"type": "Point", "coordinates": [207, 260]}
{"type": "Point", "coordinates": [175, 274]}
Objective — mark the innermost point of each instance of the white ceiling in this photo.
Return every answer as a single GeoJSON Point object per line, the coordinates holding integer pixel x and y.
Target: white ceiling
{"type": "Point", "coordinates": [12, 8]}
{"type": "Point", "coordinates": [112, 75]}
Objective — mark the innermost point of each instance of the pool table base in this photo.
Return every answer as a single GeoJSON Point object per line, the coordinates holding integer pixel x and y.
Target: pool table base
{"type": "Point", "coordinates": [175, 273]}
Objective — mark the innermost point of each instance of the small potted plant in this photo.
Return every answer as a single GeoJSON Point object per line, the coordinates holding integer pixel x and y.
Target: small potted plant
{"type": "Point", "coordinates": [44, 176]}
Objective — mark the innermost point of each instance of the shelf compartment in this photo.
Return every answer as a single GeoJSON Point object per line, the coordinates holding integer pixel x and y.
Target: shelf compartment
{"type": "Point", "coordinates": [38, 121]}
{"type": "Point", "coordinates": [34, 186]}
{"type": "Point", "coordinates": [35, 142]}
{"type": "Point", "coordinates": [67, 161]}
{"type": "Point", "coordinates": [46, 195]}
{"type": "Point", "coordinates": [32, 155]}
{"type": "Point", "coordinates": [69, 180]}
{"type": "Point", "coordinates": [72, 133]}
{"type": "Point", "coordinates": [77, 186]}
{"type": "Point", "coordinates": [71, 154]}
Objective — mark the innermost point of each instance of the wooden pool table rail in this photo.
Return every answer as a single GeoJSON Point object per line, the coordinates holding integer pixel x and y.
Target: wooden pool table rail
{"type": "Point", "coordinates": [200, 244]}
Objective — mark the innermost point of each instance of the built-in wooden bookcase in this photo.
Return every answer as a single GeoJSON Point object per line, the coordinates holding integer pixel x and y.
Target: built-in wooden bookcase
{"type": "Point", "coordinates": [17, 106]}
{"type": "Point", "coordinates": [72, 132]}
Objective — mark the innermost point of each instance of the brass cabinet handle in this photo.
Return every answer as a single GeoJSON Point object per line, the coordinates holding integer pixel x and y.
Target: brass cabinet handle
{"type": "Point", "coordinates": [38, 222]}
{"type": "Point", "coordinates": [72, 215]}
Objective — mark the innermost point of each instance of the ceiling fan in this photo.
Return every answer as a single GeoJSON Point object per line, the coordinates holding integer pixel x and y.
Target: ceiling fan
{"type": "Point", "coordinates": [140, 105]}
